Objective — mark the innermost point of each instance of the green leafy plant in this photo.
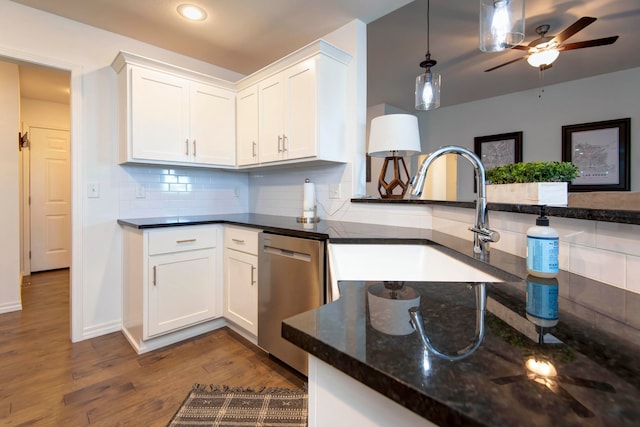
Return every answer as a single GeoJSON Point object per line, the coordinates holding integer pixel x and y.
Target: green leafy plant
{"type": "Point", "coordinates": [532, 172]}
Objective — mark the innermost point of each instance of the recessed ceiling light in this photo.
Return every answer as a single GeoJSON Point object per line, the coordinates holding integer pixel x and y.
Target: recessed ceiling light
{"type": "Point", "coordinates": [192, 12]}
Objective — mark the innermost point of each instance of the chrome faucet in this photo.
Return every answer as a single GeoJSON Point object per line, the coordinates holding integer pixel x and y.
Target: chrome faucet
{"type": "Point", "coordinates": [482, 233]}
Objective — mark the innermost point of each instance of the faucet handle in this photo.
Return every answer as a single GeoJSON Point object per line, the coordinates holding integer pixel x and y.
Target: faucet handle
{"type": "Point", "coordinates": [486, 234]}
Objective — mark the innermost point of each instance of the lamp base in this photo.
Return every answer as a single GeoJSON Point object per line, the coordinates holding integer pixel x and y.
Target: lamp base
{"type": "Point", "coordinates": [386, 189]}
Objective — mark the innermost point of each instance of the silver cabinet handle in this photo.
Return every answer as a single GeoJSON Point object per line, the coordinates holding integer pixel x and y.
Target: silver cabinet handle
{"type": "Point", "coordinates": [238, 240]}
{"type": "Point", "coordinates": [186, 241]}
{"type": "Point", "coordinates": [186, 144]}
{"type": "Point", "coordinates": [253, 148]}
{"type": "Point", "coordinates": [154, 275]}
{"type": "Point", "coordinates": [279, 142]}
{"type": "Point", "coordinates": [194, 147]}
{"type": "Point", "coordinates": [253, 281]}
{"type": "Point", "coordinates": [284, 142]}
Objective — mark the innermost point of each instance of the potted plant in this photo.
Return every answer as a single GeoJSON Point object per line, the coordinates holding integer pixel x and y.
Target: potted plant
{"type": "Point", "coordinates": [531, 183]}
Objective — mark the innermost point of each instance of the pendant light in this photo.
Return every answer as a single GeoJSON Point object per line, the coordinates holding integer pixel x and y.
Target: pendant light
{"type": "Point", "coordinates": [428, 83]}
{"type": "Point", "coordinates": [501, 24]}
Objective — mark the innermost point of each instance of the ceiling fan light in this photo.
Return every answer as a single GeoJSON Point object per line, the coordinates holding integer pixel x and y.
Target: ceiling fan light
{"type": "Point", "coordinates": [428, 91]}
{"type": "Point", "coordinates": [543, 57]}
{"type": "Point", "coordinates": [501, 24]}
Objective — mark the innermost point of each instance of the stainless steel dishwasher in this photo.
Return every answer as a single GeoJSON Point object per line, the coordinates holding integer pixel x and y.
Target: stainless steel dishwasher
{"type": "Point", "coordinates": [291, 280]}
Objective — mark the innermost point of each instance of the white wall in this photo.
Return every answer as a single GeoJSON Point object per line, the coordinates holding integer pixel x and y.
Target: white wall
{"type": "Point", "coordinates": [605, 97]}
{"type": "Point", "coordinates": [88, 53]}
{"type": "Point", "coordinates": [35, 112]}
{"type": "Point", "coordinates": [9, 189]}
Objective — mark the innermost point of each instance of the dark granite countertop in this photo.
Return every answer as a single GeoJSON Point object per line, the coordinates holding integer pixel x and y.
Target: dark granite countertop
{"type": "Point", "coordinates": [595, 382]}
{"type": "Point", "coordinates": [599, 326]}
{"type": "Point", "coordinates": [605, 215]}
{"type": "Point", "coordinates": [344, 232]}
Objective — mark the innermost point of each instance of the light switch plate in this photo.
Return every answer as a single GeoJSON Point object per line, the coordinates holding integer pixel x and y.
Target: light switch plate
{"type": "Point", "coordinates": [335, 191]}
{"type": "Point", "coordinates": [93, 190]}
{"type": "Point", "coordinates": [141, 192]}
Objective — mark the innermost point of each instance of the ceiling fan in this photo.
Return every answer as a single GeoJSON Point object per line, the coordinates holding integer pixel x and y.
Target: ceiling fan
{"type": "Point", "coordinates": [544, 50]}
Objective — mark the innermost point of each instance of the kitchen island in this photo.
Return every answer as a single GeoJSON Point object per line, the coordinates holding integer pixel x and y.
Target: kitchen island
{"type": "Point", "coordinates": [593, 347]}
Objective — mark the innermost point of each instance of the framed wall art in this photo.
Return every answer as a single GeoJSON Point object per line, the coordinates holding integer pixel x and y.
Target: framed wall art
{"type": "Point", "coordinates": [601, 151]}
{"type": "Point", "coordinates": [498, 150]}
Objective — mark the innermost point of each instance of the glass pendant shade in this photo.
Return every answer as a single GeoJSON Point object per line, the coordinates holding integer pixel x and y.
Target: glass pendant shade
{"type": "Point", "coordinates": [544, 57]}
{"type": "Point", "coordinates": [501, 24]}
{"type": "Point", "coordinates": [428, 91]}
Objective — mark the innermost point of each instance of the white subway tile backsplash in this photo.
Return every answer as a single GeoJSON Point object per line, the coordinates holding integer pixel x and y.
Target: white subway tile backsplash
{"type": "Point", "coordinates": [575, 231]}
{"type": "Point", "coordinates": [623, 238]}
{"type": "Point", "coordinates": [181, 191]}
{"type": "Point", "coordinates": [513, 243]}
{"type": "Point", "coordinates": [604, 261]}
{"type": "Point", "coordinates": [604, 266]}
{"type": "Point", "coordinates": [633, 273]}
{"type": "Point", "coordinates": [564, 256]}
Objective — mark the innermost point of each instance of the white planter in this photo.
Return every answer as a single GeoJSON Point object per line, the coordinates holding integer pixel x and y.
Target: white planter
{"type": "Point", "coordinates": [534, 193]}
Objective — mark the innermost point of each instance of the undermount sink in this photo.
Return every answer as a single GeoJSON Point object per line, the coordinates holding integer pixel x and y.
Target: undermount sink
{"type": "Point", "coordinates": [398, 263]}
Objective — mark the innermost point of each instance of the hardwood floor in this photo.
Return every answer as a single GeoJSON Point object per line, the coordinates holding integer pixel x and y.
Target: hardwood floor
{"type": "Point", "coordinates": [45, 380]}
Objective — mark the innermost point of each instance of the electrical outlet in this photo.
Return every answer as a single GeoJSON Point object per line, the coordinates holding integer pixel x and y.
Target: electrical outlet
{"type": "Point", "coordinates": [141, 192]}
{"type": "Point", "coordinates": [335, 191]}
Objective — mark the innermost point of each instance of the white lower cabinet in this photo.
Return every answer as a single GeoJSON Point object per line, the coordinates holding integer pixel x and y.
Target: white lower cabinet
{"type": "Point", "coordinates": [171, 284]}
{"type": "Point", "coordinates": [337, 400]}
{"type": "Point", "coordinates": [181, 291]}
{"type": "Point", "coordinates": [241, 278]}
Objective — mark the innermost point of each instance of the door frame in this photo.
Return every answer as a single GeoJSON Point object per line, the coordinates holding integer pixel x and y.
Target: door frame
{"type": "Point", "coordinates": [75, 272]}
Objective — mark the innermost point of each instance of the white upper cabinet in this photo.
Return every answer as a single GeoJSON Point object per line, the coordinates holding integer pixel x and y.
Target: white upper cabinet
{"type": "Point", "coordinates": [159, 116]}
{"type": "Point", "coordinates": [247, 126]}
{"type": "Point", "coordinates": [302, 106]}
{"type": "Point", "coordinates": [294, 110]}
{"type": "Point", "coordinates": [213, 125]}
{"type": "Point", "coordinates": [168, 118]}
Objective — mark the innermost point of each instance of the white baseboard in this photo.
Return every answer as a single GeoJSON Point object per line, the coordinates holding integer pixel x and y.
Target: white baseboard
{"type": "Point", "coordinates": [102, 329]}
{"type": "Point", "coordinates": [10, 306]}
{"type": "Point", "coordinates": [173, 337]}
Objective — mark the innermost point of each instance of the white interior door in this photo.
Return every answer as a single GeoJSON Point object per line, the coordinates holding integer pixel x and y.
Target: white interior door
{"type": "Point", "coordinates": [50, 199]}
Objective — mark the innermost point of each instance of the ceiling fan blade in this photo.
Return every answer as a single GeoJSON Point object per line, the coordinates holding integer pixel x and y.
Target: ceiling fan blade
{"type": "Point", "coordinates": [574, 28]}
{"type": "Point", "coordinates": [589, 43]}
{"type": "Point", "coordinates": [506, 63]}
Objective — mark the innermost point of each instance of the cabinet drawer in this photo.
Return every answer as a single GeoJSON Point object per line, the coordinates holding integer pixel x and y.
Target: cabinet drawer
{"type": "Point", "coordinates": [178, 239]}
{"type": "Point", "coordinates": [241, 239]}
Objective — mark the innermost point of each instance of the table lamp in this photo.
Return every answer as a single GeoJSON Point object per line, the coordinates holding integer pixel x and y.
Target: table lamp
{"type": "Point", "coordinates": [394, 136]}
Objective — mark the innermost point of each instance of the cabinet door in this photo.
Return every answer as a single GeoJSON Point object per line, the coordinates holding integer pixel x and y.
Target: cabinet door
{"type": "Point", "coordinates": [300, 110]}
{"type": "Point", "coordinates": [271, 112]}
{"type": "Point", "coordinates": [241, 289]}
{"type": "Point", "coordinates": [180, 290]}
{"type": "Point", "coordinates": [212, 125]}
{"type": "Point", "coordinates": [247, 137]}
{"type": "Point", "coordinates": [159, 116]}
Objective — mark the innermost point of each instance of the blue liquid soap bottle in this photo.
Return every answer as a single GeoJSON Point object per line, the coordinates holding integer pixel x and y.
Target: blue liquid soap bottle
{"type": "Point", "coordinates": [543, 244]}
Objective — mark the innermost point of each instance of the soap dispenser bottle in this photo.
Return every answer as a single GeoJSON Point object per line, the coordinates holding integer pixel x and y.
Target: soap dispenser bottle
{"type": "Point", "coordinates": [542, 248]}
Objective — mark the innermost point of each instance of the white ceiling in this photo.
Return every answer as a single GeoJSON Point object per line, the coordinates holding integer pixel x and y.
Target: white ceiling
{"type": "Point", "coordinates": [245, 35]}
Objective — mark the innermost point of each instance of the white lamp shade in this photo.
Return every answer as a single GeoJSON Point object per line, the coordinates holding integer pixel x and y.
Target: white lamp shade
{"type": "Point", "coordinates": [394, 134]}
{"type": "Point", "coordinates": [501, 24]}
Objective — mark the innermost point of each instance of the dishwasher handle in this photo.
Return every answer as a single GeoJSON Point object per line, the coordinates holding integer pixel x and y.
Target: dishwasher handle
{"type": "Point", "coordinates": [287, 253]}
